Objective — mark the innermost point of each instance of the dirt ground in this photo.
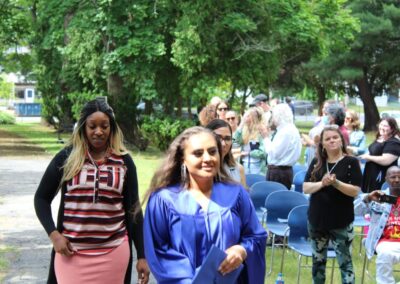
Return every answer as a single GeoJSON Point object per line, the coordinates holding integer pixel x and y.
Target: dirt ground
{"type": "Point", "coordinates": [12, 145]}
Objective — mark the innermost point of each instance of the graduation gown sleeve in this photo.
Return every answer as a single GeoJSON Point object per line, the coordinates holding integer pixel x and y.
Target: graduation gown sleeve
{"type": "Point", "coordinates": [167, 264]}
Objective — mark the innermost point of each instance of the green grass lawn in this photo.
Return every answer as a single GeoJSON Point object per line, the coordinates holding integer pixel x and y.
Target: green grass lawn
{"type": "Point", "coordinates": [146, 163]}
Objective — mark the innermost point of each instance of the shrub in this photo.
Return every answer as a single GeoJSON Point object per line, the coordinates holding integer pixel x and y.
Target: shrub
{"type": "Point", "coordinates": [161, 131]}
{"type": "Point", "coordinates": [6, 118]}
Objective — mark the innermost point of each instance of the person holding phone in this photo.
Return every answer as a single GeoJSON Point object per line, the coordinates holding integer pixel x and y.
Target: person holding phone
{"type": "Point", "coordinates": [384, 230]}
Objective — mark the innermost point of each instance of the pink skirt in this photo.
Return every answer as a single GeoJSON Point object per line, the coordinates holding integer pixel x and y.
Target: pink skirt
{"type": "Point", "coordinates": [106, 268]}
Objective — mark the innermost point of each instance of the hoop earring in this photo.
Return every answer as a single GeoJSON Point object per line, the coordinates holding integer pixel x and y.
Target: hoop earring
{"type": "Point", "coordinates": [183, 173]}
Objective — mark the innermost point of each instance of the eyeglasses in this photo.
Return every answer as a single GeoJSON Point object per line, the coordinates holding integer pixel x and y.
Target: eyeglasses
{"type": "Point", "coordinates": [226, 139]}
{"type": "Point", "coordinates": [223, 109]}
{"type": "Point", "coordinates": [231, 118]}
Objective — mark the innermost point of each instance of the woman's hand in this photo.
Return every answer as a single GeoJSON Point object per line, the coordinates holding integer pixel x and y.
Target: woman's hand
{"type": "Point", "coordinates": [365, 157]}
{"type": "Point", "coordinates": [61, 244]}
{"type": "Point", "coordinates": [235, 256]}
{"type": "Point", "coordinates": [143, 271]}
{"type": "Point", "coordinates": [328, 180]}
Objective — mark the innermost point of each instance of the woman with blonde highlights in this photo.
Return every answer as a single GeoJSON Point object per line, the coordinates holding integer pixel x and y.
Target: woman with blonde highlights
{"type": "Point", "coordinates": [92, 241]}
{"type": "Point", "coordinates": [248, 136]}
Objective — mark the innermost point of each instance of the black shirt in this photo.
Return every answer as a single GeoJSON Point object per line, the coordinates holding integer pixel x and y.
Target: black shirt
{"type": "Point", "coordinates": [329, 207]}
{"type": "Point", "coordinates": [374, 174]}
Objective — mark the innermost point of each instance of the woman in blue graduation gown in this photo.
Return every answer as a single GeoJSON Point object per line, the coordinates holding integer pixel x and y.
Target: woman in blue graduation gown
{"type": "Point", "coordinates": [193, 205]}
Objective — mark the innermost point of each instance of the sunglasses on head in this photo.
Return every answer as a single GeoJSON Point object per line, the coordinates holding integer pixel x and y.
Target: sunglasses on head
{"type": "Point", "coordinates": [331, 127]}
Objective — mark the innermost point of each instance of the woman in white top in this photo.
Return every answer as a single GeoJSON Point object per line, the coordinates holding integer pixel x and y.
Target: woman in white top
{"type": "Point", "coordinates": [223, 131]}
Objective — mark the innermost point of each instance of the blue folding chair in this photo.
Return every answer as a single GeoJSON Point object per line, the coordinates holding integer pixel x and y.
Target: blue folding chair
{"type": "Point", "coordinates": [298, 239]}
{"type": "Point", "coordinates": [278, 206]}
{"type": "Point", "coordinates": [253, 178]}
{"type": "Point", "coordinates": [298, 181]}
{"type": "Point", "coordinates": [259, 193]}
{"type": "Point", "coordinates": [298, 167]}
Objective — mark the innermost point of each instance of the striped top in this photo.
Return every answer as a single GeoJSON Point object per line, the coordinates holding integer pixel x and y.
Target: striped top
{"type": "Point", "coordinates": [94, 213]}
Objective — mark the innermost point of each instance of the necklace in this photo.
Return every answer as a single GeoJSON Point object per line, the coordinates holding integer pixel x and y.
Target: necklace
{"type": "Point", "coordinates": [327, 168]}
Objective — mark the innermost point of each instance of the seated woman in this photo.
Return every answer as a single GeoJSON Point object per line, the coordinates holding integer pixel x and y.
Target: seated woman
{"type": "Point", "coordinates": [357, 136]}
{"type": "Point", "coordinates": [193, 205]}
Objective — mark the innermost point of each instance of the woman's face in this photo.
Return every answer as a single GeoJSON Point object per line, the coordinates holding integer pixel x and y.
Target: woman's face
{"type": "Point", "coordinates": [97, 130]}
{"type": "Point", "coordinates": [221, 110]}
{"type": "Point", "coordinates": [201, 156]}
{"type": "Point", "coordinates": [232, 119]}
{"type": "Point", "coordinates": [331, 141]}
{"type": "Point", "coordinates": [225, 137]}
{"type": "Point", "coordinates": [348, 121]}
{"type": "Point", "coordinates": [384, 129]}
{"type": "Point", "coordinates": [249, 118]}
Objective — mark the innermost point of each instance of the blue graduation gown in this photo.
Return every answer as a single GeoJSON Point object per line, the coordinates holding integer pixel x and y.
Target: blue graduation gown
{"type": "Point", "coordinates": [178, 233]}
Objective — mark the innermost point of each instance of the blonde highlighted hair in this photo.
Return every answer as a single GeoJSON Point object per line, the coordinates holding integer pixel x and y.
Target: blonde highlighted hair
{"type": "Point", "coordinates": [79, 142]}
{"type": "Point", "coordinates": [251, 130]}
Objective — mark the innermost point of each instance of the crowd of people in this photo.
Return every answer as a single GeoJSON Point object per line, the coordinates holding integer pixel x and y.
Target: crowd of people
{"type": "Point", "coordinates": [198, 198]}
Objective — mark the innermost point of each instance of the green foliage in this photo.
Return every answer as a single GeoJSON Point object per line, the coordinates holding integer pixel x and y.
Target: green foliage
{"type": "Point", "coordinates": [161, 131]}
{"type": "Point", "coordinates": [78, 100]}
{"type": "Point", "coordinates": [6, 89]}
{"type": "Point", "coordinates": [6, 118]}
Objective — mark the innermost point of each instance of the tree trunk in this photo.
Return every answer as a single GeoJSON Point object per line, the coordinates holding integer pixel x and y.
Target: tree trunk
{"type": "Point", "coordinates": [321, 97]}
{"type": "Point", "coordinates": [371, 113]}
{"type": "Point", "coordinates": [125, 111]}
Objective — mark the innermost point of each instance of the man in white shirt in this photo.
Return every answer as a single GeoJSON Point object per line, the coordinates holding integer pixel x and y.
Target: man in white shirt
{"type": "Point", "coordinates": [284, 147]}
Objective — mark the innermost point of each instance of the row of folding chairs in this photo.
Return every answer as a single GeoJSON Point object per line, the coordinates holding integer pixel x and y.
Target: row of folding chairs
{"type": "Point", "coordinates": [299, 173]}
{"type": "Point", "coordinates": [273, 202]}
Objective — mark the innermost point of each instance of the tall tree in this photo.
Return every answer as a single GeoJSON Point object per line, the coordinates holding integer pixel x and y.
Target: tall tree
{"type": "Point", "coordinates": [309, 31]}
{"type": "Point", "coordinates": [372, 62]}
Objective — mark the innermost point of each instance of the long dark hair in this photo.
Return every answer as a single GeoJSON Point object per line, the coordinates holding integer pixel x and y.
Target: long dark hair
{"type": "Point", "coordinates": [219, 123]}
{"type": "Point", "coordinates": [169, 173]}
{"type": "Point", "coordinates": [393, 125]}
{"type": "Point", "coordinates": [321, 154]}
